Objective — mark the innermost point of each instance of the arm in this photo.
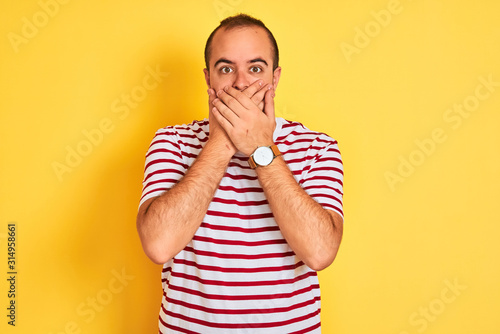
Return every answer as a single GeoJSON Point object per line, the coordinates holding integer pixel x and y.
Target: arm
{"type": "Point", "coordinates": [313, 232]}
{"type": "Point", "coordinates": [167, 223]}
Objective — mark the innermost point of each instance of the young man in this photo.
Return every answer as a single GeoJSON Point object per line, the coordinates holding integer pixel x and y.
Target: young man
{"type": "Point", "coordinates": [241, 209]}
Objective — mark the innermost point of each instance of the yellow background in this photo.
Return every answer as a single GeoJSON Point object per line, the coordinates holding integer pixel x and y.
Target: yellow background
{"type": "Point", "coordinates": [405, 242]}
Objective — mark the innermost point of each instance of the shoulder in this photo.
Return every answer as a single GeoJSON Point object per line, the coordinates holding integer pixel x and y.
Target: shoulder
{"type": "Point", "coordinates": [193, 133]}
{"type": "Point", "coordinates": [292, 132]}
{"type": "Point", "coordinates": [194, 129]}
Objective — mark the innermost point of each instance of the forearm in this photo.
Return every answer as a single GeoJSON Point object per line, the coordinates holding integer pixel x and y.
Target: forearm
{"type": "Point", "coordinates": [169, 222]}
{"type": "Point", "coordinates": [313, 233]}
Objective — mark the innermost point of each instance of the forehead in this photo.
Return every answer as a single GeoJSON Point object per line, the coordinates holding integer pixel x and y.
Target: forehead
{"type": "Point", "coordinates": [241, 44]}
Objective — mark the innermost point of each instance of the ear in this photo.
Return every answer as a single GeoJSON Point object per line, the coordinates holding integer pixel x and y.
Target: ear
{"type": "Point", "coordinates": [207, 77]}
{"type": "Point", "coordinates": [276, 77]}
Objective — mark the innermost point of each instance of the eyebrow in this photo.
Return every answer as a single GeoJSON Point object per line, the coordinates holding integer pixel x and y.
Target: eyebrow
{"type": "Point", "coordinates": [258, 60]}
{"type": "Point", "coordinates": [227, 61]}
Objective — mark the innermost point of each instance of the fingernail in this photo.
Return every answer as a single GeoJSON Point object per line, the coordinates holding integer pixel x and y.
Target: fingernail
{"type": "Point", "coordinates": [219, 92]}
{"type": "Point", "coordinates": [226, 88]}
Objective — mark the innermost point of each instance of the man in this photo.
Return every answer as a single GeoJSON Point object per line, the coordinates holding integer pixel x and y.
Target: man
{"type": "Point", "coordinates": [241, 209]}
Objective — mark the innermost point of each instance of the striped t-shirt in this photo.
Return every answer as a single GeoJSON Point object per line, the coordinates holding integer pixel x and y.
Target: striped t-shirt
{"type": "Point", "coordinates": [238, 274]}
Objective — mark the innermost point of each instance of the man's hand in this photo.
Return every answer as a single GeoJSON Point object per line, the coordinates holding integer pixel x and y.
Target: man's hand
{"type": "Point", "coordinates": [247, 126]}
{"type": "Point", "coordinates": [217, 134]}
{"type": "Point", "coordinates": [256, 92]}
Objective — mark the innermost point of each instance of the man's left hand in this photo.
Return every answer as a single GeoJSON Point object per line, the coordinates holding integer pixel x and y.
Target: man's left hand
{"type": "Point", "coordinates": [245, 123]}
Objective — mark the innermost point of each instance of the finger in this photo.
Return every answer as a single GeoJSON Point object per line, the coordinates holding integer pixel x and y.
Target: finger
{"type": "Point", "coordinates": [226, 112]}
{"type": "Point", "coordinates": [253, 88]}
{"type": "Point", "coordinates": [211, 97]}
{"type": "Point", "coordinates": [223, 122]}
{"type": "Point", "coordinates": [258, 97]}
{"type": "Point", "coordinates": [235, 99]}
{"type": "Point", "coordinates": [269, 103]}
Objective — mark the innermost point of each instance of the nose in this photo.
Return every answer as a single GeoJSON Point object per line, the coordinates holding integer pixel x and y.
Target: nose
{"type": "Point", "coordinates": [241, 80]}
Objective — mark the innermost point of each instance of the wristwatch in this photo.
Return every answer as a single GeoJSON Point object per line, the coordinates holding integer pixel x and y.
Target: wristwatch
{"type": "Point", "coordinates": [263, 156]}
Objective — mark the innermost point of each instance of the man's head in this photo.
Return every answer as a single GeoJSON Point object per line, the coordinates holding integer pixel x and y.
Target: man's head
{"type": "Point", "coordinates": [240, 51]}
{"type": "Point", "coordinates": [241, 21]}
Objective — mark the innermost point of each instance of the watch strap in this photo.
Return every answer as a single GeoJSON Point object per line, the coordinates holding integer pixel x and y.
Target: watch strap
{"type": "Point", "coordinates": [252, 163]}
{"type": "Point", "coordinates": [275, 150]}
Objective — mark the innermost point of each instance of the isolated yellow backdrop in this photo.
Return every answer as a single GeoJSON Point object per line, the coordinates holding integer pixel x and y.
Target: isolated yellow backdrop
{"type": "Point", "coordinates": [410, 89]}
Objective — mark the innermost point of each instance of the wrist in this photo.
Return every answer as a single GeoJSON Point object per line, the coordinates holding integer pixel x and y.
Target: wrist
{"type": "Point", "coordinates": [263, 156]}
{"type": "Point", "coordinates": [219, 150]}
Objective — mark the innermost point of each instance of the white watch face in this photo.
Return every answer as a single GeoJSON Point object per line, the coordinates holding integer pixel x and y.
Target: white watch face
{"type": "Point", "coordinates": [263, 156]}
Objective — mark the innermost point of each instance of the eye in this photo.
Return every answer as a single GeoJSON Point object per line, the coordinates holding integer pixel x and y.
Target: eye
{"type": "Point", "coordinates": [255, 69]}
{"type": "Point", "coordinates": [226, 69]}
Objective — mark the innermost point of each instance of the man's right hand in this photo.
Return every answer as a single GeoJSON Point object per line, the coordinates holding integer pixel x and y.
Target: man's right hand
{"type": "Point", "coordinates": [217, 135]}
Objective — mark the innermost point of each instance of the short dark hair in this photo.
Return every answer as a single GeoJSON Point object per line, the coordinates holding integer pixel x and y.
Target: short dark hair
{"type": "Point", "coordinates": [241, 20]}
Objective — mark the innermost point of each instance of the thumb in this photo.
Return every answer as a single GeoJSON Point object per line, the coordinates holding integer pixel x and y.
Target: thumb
{"type": "Point", "coordinates": [269, 103]}
{"type": "Point", "coordinates": [211, 98]}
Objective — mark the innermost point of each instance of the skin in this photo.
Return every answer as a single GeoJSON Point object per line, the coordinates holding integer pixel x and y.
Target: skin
{"type": "Point", "coordinates": [239, 58]}
{"type": "Point", "coordinates": [241, 89]}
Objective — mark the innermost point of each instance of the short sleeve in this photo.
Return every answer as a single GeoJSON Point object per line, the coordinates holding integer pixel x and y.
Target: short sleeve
{"type": "Point", "coordinates": [324, 179]}
{"type": "Point", "coordinates": [164, 165]}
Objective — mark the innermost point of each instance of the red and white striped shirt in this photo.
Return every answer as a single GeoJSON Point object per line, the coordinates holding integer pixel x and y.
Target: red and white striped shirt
{"type": "Point", "coordinates": [238, 274]}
